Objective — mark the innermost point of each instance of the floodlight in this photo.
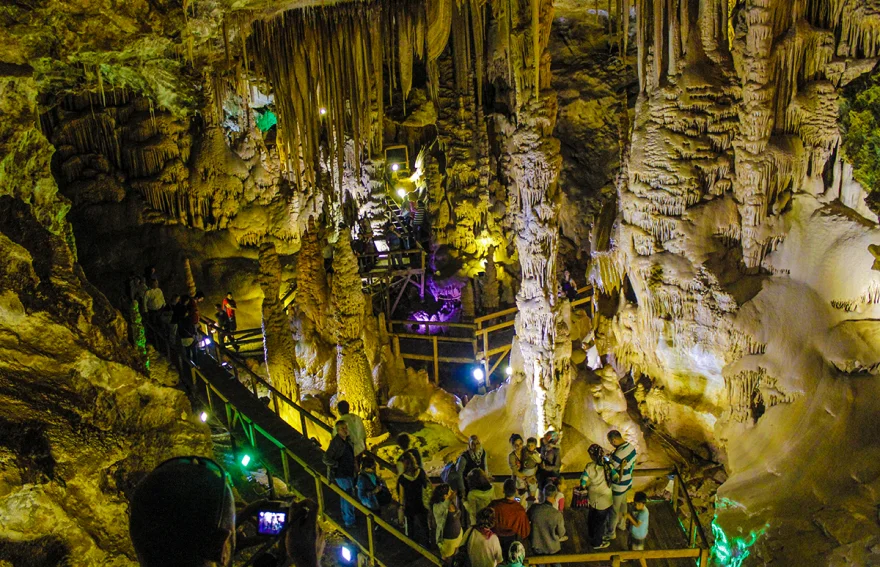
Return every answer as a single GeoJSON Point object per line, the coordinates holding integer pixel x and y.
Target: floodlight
{"type": "Point", "coordinates": [401, 192]}
{"type": "Point", "coordinates": [203, 416]}
{"type": "Point", "coordinates": [479, 375]}
{"type": "Point", "coordinates": [395, 166]}
{"type": "Point", "coordinates": [245, 459]}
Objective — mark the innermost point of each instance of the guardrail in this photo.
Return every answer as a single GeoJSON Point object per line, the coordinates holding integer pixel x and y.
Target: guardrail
{"type": "Point", "coordinates": [698, 544]}
{"type": "Point", "coordinates": [234, 416]}
{"type": "Point", "coordinates": [478, 334]}
{"type": "Point", "coordinates": [278, 399]}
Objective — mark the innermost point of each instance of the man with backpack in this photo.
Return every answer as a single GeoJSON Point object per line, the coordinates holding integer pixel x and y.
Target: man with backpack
{"type": "Point", "coordinates": [473, 458]}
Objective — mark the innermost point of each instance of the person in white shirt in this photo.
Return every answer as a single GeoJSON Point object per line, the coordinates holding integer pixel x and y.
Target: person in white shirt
{"type": "Point", "coordinates": [154, 303]}
{"type": "Point", "coordinates": [595, 478]}
{"type": "Point", "coordinates": [356, 431]}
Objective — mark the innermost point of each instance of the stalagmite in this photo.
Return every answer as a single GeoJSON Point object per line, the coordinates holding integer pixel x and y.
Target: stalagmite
{"type": "Point", "coordinates": [531, 163]}
{"type": "Point", "coordinates": [354, 381]}
{"type": "Point", "coordinates": [278, 347]}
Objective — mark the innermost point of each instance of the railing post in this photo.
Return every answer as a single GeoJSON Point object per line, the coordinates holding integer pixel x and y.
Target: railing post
{"type": "Point", "coordinates": [304, 424]}
{"type": "Point", "coordinates": [615, 561]}
{"type": "Point", "coordinates": [275, 403]}
{"type": "Point", "coordinates": [693, 531]}
{"type": "Point", "coordinates": [370, 539]}
{"type": "Point", "coordinates": [320, 495]}
{"type": "Point", "coordinates": [436, 361]}
{"type": "Point", "coordinates": [486, 358]}
{"type": "Point", "coordinates": [704, 558]}
{"type": "Point", "coordinates": [285, 466]}
{"type": "Point", "coordinates": [676, 487]}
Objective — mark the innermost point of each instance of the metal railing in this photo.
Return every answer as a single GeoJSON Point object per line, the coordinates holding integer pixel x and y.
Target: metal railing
{"type": "Point", "coordinates": [201, 386]}
{"type": "Point", "coordinates": [698, 545]}
{"type": "Point", "coordinates": [477, 334]}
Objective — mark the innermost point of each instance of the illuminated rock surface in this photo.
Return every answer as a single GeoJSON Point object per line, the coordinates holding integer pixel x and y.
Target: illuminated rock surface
{"type": "Point", "coordinates": [717, 186]}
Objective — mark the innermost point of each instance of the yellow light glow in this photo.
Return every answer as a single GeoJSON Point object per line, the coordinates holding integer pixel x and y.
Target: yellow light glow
{"type": "Point", "coordinates": [401, 192]}
{"type": "Point", "coordinates": [395, 166]}
{"type": "Point", "coordinates": [323, 111]}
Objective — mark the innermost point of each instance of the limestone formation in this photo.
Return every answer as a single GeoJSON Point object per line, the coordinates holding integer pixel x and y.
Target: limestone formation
{"type": "Point", "coordinates": [354, 380]}
{"type": "Point", "coordinates": [278, 347]}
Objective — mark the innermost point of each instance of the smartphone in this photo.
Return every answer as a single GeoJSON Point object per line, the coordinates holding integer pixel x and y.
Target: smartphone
{"type": "Point", "coordinates": [271, 522]}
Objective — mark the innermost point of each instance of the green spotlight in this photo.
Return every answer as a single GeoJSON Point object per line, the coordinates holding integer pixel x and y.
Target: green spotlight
{"type": "Point", "coordinates": [245, 459]}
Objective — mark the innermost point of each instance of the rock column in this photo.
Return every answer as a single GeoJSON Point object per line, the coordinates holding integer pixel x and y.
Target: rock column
{"type": "Point", "coordinates": [280, 350]}
{"type": "Point", "coordinates": [531, 161]}
{"type": "Point", "coordinates": [354, 381]}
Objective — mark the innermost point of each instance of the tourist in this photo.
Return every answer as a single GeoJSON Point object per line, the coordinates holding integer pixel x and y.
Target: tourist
{"type": "Point", "coordinates": [568, 286]}
{"type": "Point", "coordinates": [447, 522]}
{"type": "Point", "coordinates": [558, 500]}
{"type": "Point", "coordinates": [356, 431]}
{"type": "Point", "coordinates": [531, 459]}
{"type": "Point", "coordinates": [481, 543]}
{"type": "Point", "coordinates": [473, 458]}
{"type": "Point", "coordinates": [137, 290]}
{"type": "Point", "coordinates": [404, 441]}
{"type": "Point", "coordinates": [623, 461]}
{"type": "Point", "coordinates": [551, 459]}
{"type": "Point", "coordinates": [411, 487]}
{"type": "Point", "coordinates": [371, 489]}
{"type": "Point", "coordinates": [154, 303]}
{"type": "Point", "coordinates": [481, 493]}
{"type": "Point", "coordinates": [548, 527]}
{"type": "Point", "coordinates": [183, 515]}
{"type": "Point", "coordinates": [638, 524]}
{"type": "Point", "coordinates": [515, 462]}
{"type": "Point", "coordinates": [511, 520]}
{"type": "Point", "coordinates": [220, 315]}
{"type": "Point", "coordinates": [516, 555]}
{"type": "Point", "coordinates": [595, 478]}
{"type": "Point", "coordinates": [339, 459]}
{"type": "Point", "coordinates": [231, 308]}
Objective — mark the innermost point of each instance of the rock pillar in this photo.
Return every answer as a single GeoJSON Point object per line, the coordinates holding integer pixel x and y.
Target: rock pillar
{"type": "Point", "coordinates": [354, 381]}
{"type": "Point", "coordinates": [531, 162]}
{"type": "Point", "coordinates": [278, 345]}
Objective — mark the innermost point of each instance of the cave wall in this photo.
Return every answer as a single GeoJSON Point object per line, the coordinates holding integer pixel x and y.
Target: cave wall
{"type": "Point", "coordinates": [80, 420]}
{"type": "Point", "coordinates": [751, 329]}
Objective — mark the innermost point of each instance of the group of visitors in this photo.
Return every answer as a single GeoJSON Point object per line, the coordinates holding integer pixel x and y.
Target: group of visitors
{"type": "Point", "coordinates": [608, 479]}
{"type": "Point", "coordinates": [461, 514]}
{"type": "Point", "coordinates": [179, 319]}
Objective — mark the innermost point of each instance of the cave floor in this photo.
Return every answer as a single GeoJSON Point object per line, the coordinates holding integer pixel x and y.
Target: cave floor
{"type": "Point", "coordinates": [664, 532]}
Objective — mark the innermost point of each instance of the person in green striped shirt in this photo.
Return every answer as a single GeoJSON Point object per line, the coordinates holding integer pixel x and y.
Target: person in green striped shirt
{"type": "Point", "coordinates": [622, 461]}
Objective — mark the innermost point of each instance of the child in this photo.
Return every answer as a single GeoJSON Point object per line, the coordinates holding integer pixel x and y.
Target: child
{"type": "Point", "coordinates": [638, 520]}
{"type": "Point", "coordinates": [531, 458]}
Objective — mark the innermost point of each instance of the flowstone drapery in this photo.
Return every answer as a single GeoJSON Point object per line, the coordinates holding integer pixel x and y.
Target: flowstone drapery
{"type": "Point", "coordinates": [278, 347]}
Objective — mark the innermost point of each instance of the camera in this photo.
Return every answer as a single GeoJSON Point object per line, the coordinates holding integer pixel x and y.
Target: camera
{"type": "Point", "coordinates": [271, 521]}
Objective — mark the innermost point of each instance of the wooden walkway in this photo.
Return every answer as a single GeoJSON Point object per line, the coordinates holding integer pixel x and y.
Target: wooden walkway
{"type": "Point", "coordinates": [664, 532]}
{"type": "Point", "coordinates": [272, 440]}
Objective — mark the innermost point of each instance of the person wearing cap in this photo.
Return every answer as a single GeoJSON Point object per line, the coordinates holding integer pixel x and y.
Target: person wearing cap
{"type": "Point", "coordinates": [183, 515]}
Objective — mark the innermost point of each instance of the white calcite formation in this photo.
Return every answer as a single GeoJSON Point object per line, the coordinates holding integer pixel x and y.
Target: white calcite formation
{"type": "Point", "coordinates": [748, 251]}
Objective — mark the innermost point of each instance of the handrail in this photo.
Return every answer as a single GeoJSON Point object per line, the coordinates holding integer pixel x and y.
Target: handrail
{"type": "Point", "coordinates": [694, 517]}
{"type": "Point", "coordinates": [323, 479]}
{"type": "Point", "coordinates": [303, 412]}
{"type": "Point", "coordinates": [320, 479]}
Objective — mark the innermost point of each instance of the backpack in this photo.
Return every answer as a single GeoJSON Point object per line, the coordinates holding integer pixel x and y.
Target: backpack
{"type": "Point", "coordinates": [449, 475]}
{"type": "Point", "coordinates": [462, 558]}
